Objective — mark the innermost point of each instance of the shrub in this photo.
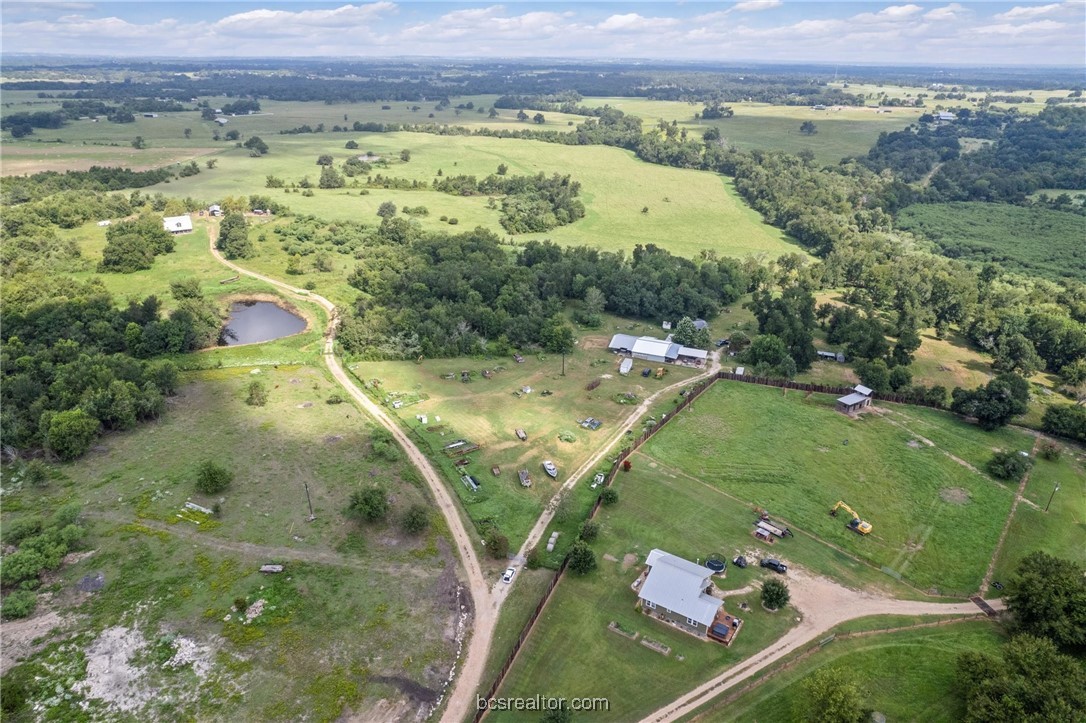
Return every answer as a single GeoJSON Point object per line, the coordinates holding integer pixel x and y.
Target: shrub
{"type": "Point", "coordinates": [241, 603]}
{"type": "Point", "coordinates": [258, 394]}
{"type": "Point", "coordinates": [581, 558]}
{"type": "Point", "coordinates": [335, 399]}
{"type": "Point", "coordinates": [589, 530]}
{"type": "Point", "coordinates": [36, 473]}
{"type": "Point", "coordinates": [19, 604]}
{"type": "Point", "coordinates": [1065, 420]}
{"type": "Point", "coordinates": [453, 221]}
{"type": "Point", "coordinates": [533, 559]}
{"type": "Point", "coordinates": [71, 433]}
{"type": "Point", "coordinates": [1051, 451]}
{"type": "Point", "coordinates": [383, 445]}
{"type": "Point", "coordinates": [1009, 465]}
{"type": "Point", "coordinates": [609, 495]}
{"type": "Point", "coordinates": [370, 504]}
{"type": "Point", "coordinates": [212, 478]}
{"type": "Point", "coordinates": [775, 594]}
{"type": "Point", "coordinates": [497, 546]}
{"type": "Point", "coordinates": [416, 519]}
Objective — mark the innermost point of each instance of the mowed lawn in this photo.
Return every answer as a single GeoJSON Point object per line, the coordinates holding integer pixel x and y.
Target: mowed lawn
{"type": "Point", "coordinates": [907, 675]}
{"type": "Point", "coordinates": [487, 413]}
{"type": "Point", "coordinates": [688, 211]}
{"type": "Point", "coordinates": [936, 522]}
{"type": "Point", "coordinates": [1056, 521]}
{"type": "Point", "coordinates": [572, 653]}
{"type": "Point", "coordinates": [843, 132]}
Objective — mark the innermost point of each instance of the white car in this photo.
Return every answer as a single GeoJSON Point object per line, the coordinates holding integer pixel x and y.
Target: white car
{"type": "Point", "coordinates": [508, 575]}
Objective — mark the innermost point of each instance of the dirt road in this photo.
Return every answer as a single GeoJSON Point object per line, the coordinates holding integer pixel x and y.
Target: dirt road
{"type": "Point", "coordinates": [823, 604]}
{"type": "Point", "coordinates": [461, 699]}
{"type": "Point", "coordinates": [548, 513]}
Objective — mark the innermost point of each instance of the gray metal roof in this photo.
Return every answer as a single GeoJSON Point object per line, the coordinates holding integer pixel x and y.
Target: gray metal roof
{"type": "Point", "coordinates": [676, 584]}
{"type": "Point", "coordinates": [690, 351]}
{"type": "Point", "coordinates": [863, 390]}
{"type": "Point", "coordinates": [700, 324]}
{"type": "Point", "coordinates": [673, 351]}
{"type": "Point", "coordinates": [854, 398]}
{"type": "Point", "coordinates": [650, 346]}
{"type": "Point", "coordinates": [622, 341]}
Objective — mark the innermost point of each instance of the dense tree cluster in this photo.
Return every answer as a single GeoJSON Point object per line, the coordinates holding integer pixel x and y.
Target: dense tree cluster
{"type": "Point", "coordinates": [132, 245]}
{"type": "Point", "coordinates": [20, 189]}
{"type": "Point", "coordinates": [530, 203]}
{"type": "Point", "coordinates": [442, 295]}
{"type": "Point", "coordinates": [73, 363]}
{"type": "Point", "coordinates": [233, 238]}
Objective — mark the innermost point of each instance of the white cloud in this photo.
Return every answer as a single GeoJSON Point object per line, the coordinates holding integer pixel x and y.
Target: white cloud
{"type": "Point", "coordinates": [1028, 11]}
{"type": "Point", "coordinates": [1040, 26]}
{"type": "Point", "coordinates": [285, 22]}
{"type": "Point", "coordinates": [632, 22]}
{"type": "Point", "coordinates": [754, 6]}
{"type": "Point", "coordinates": [949, 12]}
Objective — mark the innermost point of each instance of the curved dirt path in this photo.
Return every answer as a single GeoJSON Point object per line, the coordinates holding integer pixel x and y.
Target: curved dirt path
{"type": "Point", "coordinates": [824, 604]}
{"type": "Point", "coordinates": [461, 698]}
{"type": "Point", "coordinates": [544, 520]}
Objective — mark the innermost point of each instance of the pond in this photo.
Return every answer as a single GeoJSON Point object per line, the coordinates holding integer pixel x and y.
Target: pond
{"type": "Point", "coordinates": [255, 321]}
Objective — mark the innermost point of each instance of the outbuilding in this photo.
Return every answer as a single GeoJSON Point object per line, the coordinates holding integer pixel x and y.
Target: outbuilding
{"type": "Point", "coordinates": [177, 224]}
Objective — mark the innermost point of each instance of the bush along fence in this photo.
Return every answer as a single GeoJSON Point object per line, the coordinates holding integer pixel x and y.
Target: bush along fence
{"type": "Point", "coordinates": [693, 393]}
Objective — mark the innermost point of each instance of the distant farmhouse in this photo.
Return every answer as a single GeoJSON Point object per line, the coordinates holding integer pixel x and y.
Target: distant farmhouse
{"type": "Point", "coordinates": [656, 350]}
{"type": "Point", "coordinates": [177, 224]}
{"type": "Point", "coordinates": [674, 592]}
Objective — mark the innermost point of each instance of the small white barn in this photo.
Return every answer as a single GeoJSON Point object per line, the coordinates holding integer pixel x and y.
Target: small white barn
{"type": "Point", "coordinates": [177, 224]}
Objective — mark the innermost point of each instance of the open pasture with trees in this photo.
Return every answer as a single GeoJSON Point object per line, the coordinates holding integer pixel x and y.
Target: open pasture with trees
{"type": "Point", "coordinates": [1032, 240]}
{"type": "Point", "coordinates": [936, 521]}
{"type": "Point", "coordinates": [616, 188]}
{"type": "Point", "coordinates": [841, 131]}
{"type": "Point", "coordinates": [487, 411]}
{"type": "Point", "coordinates": [181, 585]}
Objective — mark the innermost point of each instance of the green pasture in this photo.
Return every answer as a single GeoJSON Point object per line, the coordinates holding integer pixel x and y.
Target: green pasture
{"type": "Point", "coordinates": [615, 187]}
{"type": "Point", "coordinates": [936, 522]}
{"type": "Point", "coordinates": [1061, 531]}
{"type": "Point", "coordinates": [842, 132]}
{"type": "Point", "coordinates": [487, 412]}
{"type": "Point", "coordinates": [167, 575]}
{"type": "Point", "coordinates": [906, 675]}
{"type": "Point", "coordinates": [873, 91]}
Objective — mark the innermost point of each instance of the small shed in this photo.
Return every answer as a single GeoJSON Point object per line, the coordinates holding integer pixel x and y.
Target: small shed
{"type": "Point", "coordinates": [861, 389]}
{"type": "Point", "coordinates": [854, 402]}
{"type": "Point", "coordinates": [700, 324]}
{"type": "Point", "coordinates": [625, 367]}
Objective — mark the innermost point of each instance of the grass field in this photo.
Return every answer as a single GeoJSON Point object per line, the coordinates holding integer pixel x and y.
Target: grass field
{"type": "Point", "coordinates": [841, 132]}
{"type": "Point", "coordinates": [707, 214]}
{"type": "Point", "coordinates": [1035, 240]}
{"type": "Point", "coordinates": [328, 640]}
{"type": "Point", "coordinates": [486, 412]}
{"type": "Point", "coordinates": [873, 91]}
{"type": "Point", "coordinates": [907, 675]}
{"type": "Point", "coordinates": [936, 522]}
{"type": "Point", "coordinates": [1060, 531]}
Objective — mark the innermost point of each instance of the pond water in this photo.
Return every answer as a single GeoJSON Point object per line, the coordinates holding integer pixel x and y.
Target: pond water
{"type": "Point", "coordinates": [256, 321]}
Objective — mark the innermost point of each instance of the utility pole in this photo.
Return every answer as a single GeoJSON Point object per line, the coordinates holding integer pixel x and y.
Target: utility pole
{"type": "Point", "coordinates": [310, 501]}
{"type": "Point", "coordinates": [1054, 491]}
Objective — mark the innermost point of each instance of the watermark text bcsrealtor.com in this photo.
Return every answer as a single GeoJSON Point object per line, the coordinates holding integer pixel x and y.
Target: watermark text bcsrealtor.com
{"type": "Point", "coordinates": [542, 703]}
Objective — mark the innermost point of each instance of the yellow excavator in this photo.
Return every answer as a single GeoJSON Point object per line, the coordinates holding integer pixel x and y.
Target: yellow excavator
{"type": "Point", "coordinates": [856, 525]}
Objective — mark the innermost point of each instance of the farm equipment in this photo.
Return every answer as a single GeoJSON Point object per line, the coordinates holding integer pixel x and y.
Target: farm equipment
{"type": "Point", "coordinates": [856, 524]}
{"type": "Point", "coordinates": [660, 372]}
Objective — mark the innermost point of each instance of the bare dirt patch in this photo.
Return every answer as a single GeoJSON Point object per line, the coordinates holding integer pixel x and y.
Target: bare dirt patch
{"type": "Point", "coordinates": [913, 443]}
{"type": "Point", "coordinates": [110, 675]}
{"type": "Point", "coordinates": [609, 557]}
{"type": "Point", "coordinates": [628, 561]}
{"type": "Point", "coordinates": [19, 636]}
{"type": "Point", "coordinates": [954, 495]}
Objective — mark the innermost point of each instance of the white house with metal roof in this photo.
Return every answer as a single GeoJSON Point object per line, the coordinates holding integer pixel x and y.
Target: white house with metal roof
{"type": "Point", "coordinates": [675, 592]}
{"type": "Point", "coordinates": [177, 224]}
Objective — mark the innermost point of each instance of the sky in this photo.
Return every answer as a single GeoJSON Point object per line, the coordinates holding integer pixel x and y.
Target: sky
{"type": "Point", "coordinates": [904, 33]}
